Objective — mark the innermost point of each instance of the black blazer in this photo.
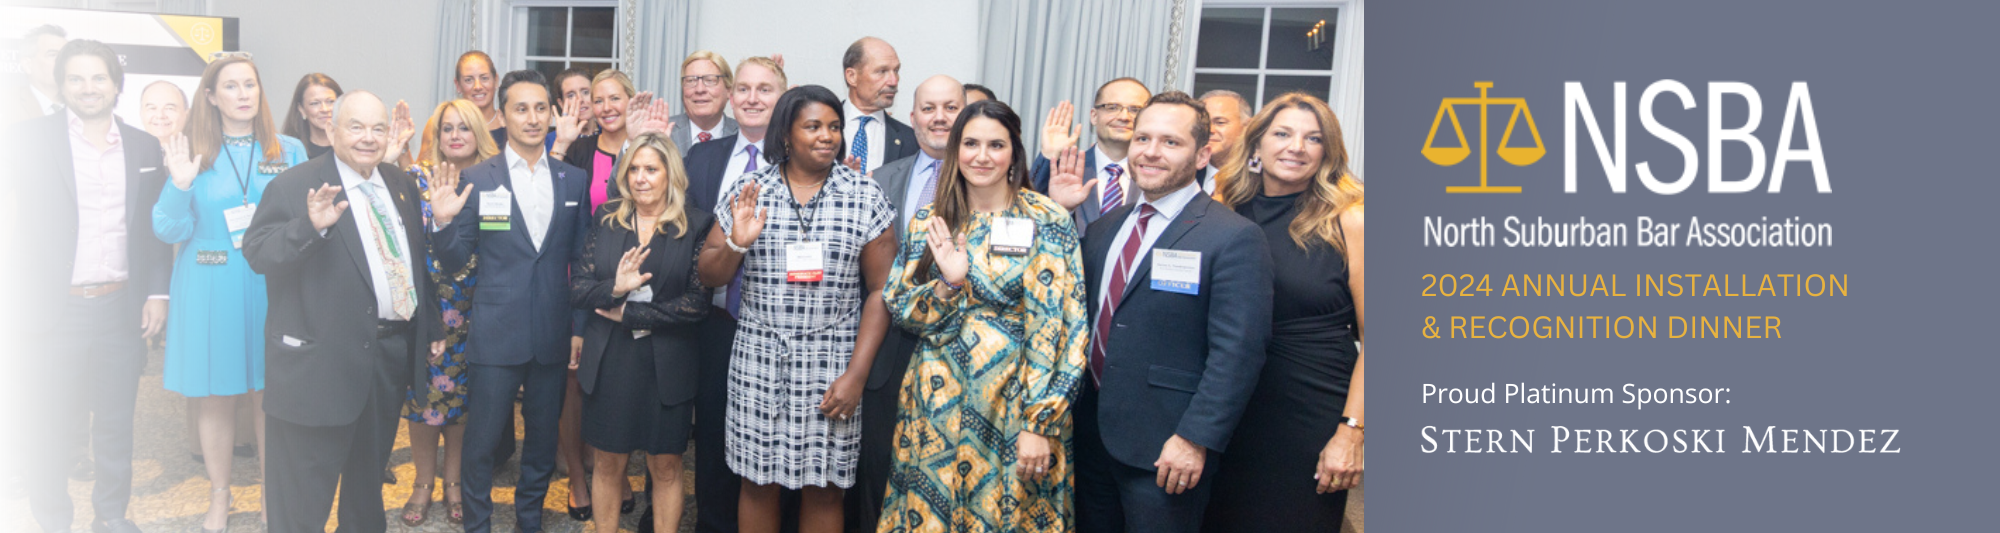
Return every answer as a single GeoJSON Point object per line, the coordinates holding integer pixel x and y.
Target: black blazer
{"type": "Point", "coordinates": [892, 359]}
{"type": "Point", "coordinates": [1177, 364]}
{"type": "Point", "coordinates": [582, 154]}
{"type": "Point", "coordinates": [902, 139]}
{"type": "Point", "coordinates": [47, 195]}
{"type": "Point", "coordinates": [679, 302]}
{"type": "Point", "coordinates": [321, 294]}
{"type": "Point", "coordinates": [521, 309]}
{"type": "Point", "coordinates": [706, 164]}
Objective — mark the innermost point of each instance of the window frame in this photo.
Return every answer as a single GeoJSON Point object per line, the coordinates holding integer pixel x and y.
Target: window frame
{"type": "Point", "coordinates": [1341, 27]}
{"type": "Point", "coordinates": [517, 45]}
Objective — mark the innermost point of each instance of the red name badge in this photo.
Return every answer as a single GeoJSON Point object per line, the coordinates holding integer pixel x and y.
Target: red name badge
{"type": "Point", "coordinates": [805, 262]}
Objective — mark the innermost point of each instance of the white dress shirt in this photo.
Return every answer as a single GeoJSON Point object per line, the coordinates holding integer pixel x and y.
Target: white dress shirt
{"type": "Point", "coordinates": [878, 135]}
{"type": "Point", "coordinates": [358, 202]}
{"type": "Point", "coordinates": [1169, 208]}
{"type": "Point", "coordinates": [714, 133]}
{"type": "Point", "coordinates": [534, 190]}
{"type": "Point", "coordinates": [1104, 178]}
{"type": "Point", "coordinates": [1208, 185]}
{"type": "Point", "coordinates": [925, 170]}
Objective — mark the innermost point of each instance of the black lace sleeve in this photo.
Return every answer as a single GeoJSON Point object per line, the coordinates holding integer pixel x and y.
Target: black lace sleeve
{"type": "Point", "coordinates": [586, 291]}
{"type": "Point", "coordinates": [690, 307]}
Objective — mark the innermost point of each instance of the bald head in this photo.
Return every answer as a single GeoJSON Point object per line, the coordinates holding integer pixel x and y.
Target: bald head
{"type": "Point", "coordinates": [938, 101]}
{"type": "Point", "coordinates": [360, 131]}
{"type": "Point", "coordinates": [872, 71]}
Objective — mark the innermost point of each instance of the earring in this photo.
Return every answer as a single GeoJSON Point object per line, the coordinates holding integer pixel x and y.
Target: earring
{"type": "Point", "coordinates": [1256, 164]}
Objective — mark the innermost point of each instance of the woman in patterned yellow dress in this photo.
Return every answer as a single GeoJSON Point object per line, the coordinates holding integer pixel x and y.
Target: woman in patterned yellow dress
{"type": "Point", "coordinates": [989, 277]}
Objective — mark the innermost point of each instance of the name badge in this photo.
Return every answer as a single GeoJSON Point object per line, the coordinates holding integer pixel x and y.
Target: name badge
{"type": "Point", "coordinates": [805, 262]}
{"type": "Point", "coordinates": [643, 294]}
{"type": "Point", "coordinates": [211, 257]}
{"type": "Point", "coordinates": [496, 209]}
{"type": "Point", "coordinates": [238, 219]}
{"type": "Point", "coordinates": [1012, 235]}
{"type": "Point", "coordinates": [1176, 271]}
{"type": "Point", "coordinates": [272, 168]}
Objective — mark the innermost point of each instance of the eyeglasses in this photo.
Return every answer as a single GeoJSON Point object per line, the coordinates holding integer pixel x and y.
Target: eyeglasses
{"type": "Point", "coordinates": [710, 80]}
{"type": "Point", "coordinates": [218, 56]}
{"type": "Point", "coordinates": [1114, 109]}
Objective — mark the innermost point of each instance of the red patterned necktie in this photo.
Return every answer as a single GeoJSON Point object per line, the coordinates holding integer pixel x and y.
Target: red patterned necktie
{"type": "Point", "coordinates": [1116, 291]}
{"type": "Point", "coordinates": [703, 136]}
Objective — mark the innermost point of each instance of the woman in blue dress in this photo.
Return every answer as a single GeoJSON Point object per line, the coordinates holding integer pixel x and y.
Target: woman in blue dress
{"type": "Point", "coordinates": [215, 341]}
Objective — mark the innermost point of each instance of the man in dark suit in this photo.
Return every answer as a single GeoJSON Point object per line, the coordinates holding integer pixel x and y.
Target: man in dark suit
{"type": "Point", "coordinates": [526, 225]}
{"type": "Point", "coordinates": [91, 270]}
{"type": "Point", "coordinates": [1112, 115]}
{"type": "Point", "coordinates": [1180, 306]}
{"type": "Point", "coordinates": [910, 183]}
{"type": "Point", "coordinates": [871, 70]}
{"type": "Point", "coordinates": [705, 91]}
{"type": "Point", "coordinates": [340, 242]}
{"type": "Point", "coordinates": [41, 96]}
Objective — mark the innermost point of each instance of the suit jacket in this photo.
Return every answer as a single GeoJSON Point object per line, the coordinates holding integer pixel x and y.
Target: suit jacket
{"type": "Point", "coordinates": [1086, 212]}
{"type": "Point", "coordinates": [892, 360]}
{"type": "Point", "coordinates": [902, 140]}
{"type": "Point", "coordinates": [21, 105]}
{"type": "Point", "coordinates": [582, 154]}
{"type": "Point", "coordinates": [706, 164]}
{"type": "Point", "coordinates": [322, 295]}
{"type": "Point", "coordinates": [48, 195]}
{"type": "Point", "coordinates": [683, 134]}
{"type": "Point", "coordinates": [1177, 364]}
{"type": "Point", "coordinates": [521, 310]}
{"type": "Point", "coordinates": [676, 344]}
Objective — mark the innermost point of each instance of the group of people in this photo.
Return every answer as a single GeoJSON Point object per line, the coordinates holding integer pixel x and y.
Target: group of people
{"type": "Point", "coordinates": [866, 324]}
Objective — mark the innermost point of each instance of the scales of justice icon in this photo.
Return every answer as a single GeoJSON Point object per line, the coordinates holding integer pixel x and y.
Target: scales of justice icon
{"type": "Point", "coordinates": [1452, 155]}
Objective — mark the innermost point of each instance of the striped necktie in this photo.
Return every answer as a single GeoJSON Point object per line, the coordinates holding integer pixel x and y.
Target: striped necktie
{"type": "Point", "coordinates": [1114, 190]}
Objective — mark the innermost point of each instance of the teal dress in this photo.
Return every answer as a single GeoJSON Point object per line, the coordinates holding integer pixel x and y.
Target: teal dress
{"type": "Point", "coordinates": [215, 318]}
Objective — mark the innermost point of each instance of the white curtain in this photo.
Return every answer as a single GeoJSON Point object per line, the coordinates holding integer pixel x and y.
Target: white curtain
{"type": "Point", "coordinates": [1347, 95]}
{"type": "Point", "coordinates": [1040, 52]}
{"type": "Point", "coordinates": [184, 7]}
{"type": "Point", "coordinates": [666, 34]}
{"type": "Point", "coordinates": [455, 35]}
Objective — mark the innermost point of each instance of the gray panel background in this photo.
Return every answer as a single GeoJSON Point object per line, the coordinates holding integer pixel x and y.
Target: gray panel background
{"type": "Point", "coordinates": [1903, 95]}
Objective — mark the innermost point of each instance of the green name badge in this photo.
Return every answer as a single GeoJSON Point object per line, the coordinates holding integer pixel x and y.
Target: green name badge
{"type": "Point", "coordinates": [495, 207]}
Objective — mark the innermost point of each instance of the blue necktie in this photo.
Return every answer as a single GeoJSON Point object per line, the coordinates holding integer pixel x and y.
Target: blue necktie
{"type": "Point", "coordinates": [860, 150]}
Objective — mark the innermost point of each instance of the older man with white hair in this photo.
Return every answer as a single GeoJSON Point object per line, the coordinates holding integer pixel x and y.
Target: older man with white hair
{"type": "Point", "coordinates": [341, 243]}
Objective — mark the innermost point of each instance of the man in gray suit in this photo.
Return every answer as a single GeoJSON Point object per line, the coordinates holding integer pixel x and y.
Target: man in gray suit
{"type": "Point", "coordinates": [705, 87]}
{"type": "Point", "coordinates": [910, 183]}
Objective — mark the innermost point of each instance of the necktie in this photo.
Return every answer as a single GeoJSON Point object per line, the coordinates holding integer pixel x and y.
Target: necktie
{"type": "Point", "coordinates": [703, 136]}
{"type": "Point", "coordinates": [860, 150]}
{"type": "Point", "coordinates": [734, 301]}
{"type": "Point", "coordinates": [402, 296]}
{"type": "Point", "coordinates": [930, 186]}
{"type": "Point", "coordinates": [1114, 190]}
{"type": "Point", "coordinates": [1115, 292]}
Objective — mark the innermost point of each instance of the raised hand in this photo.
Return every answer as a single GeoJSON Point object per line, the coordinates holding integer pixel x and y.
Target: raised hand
{"type": "Point", "coordinates": [952, 260]}
{"type": "Point", "coordinates": [569, 124]}
{"type": "Point", "coordinates": [401, 128]}
{"type": "Point", "coordinates": [779, 59]}
{"type": "Point", "coordinates": [635, 112]}
{"type": "Point", "coordinates": [852, 162]}
{"type": "Point", "coordinates": [447, 196]}
{"type": "Point", "coordinates": [659, 118]}
{"type": "Point", "coordinates": [748, 221]}
{"type": "Point", "coordinates": [321, 208]}
{"type": "Point", "coordinates": [1060, 130]}
{"type": "Point", "coordinates": [1066, 183]}
{"type": "Point", "coordinates": [179, 166]}
{"type": "Point", "coordinates": [629, 278]}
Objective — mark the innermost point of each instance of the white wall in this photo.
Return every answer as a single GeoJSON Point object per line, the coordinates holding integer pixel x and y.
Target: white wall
{"type": "Point", "coordinates": [931, 37]}
{"type": "Point", "coordinates": [383, 46]}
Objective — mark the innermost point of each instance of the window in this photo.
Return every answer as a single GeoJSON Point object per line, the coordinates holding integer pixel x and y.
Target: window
{"type": "Point", "coordinates": [1264, 52]}
{"type": "Point", "coordinates": [560, 35]}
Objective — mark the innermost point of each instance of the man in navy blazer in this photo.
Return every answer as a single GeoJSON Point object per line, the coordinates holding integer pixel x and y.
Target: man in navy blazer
{"type": "Point", "coordinates": [1113, 112]}
{"type": "Point", "coordinates": [526, 223]}
{"type": "Point", "coordinates": [1180, 306]}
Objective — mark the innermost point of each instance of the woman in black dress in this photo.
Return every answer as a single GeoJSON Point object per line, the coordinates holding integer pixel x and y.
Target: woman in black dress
{"type": "Point", "coordinates": [1306, 414]}
{"type": "Point", "coordinates": [637, 365]}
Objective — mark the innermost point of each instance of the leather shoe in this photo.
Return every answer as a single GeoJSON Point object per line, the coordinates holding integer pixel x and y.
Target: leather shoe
{"type": "Point", "coordinates": [646, 521]}
{"type": "Point", "coordinates": [116, 525]}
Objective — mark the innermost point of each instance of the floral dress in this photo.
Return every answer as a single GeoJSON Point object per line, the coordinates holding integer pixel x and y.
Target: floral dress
{"type": "Point", "coordinates": [441, 401]}
{"type": "Point", "coordinates": [1001, 357]}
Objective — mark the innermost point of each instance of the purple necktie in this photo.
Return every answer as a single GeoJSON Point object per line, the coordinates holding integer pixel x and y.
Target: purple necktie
{"type": "Point", "coordinates": [1114, 190]}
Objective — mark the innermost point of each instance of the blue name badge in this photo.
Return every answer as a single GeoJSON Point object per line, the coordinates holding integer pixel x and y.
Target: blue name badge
{"type": "Point", "coordinates": [1176, 271]}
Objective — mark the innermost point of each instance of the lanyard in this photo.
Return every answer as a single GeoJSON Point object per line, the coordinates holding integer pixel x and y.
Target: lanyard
{"type": "Point", "coordinates": [798, 211]}
{"type": "Point", "coordinates": [242, 177]}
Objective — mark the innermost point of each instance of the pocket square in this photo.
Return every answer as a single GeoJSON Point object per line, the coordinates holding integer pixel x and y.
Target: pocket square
{"type": "Point", "coordinates": [571, 203]}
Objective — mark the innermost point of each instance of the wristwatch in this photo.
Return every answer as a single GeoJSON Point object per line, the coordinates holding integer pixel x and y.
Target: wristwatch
{"type": "Point", "coordinates": [1355, 423]}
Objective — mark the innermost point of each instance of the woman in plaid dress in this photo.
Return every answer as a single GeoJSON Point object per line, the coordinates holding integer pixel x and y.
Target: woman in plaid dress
{"type": "Point", "coordinates": [813, 238]}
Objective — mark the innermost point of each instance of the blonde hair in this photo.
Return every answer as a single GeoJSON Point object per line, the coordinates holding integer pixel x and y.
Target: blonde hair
{"type": "Point", "coordinates": [1333, 190]}
{"type": "Point", "coordinates": [625, 208]}
{"type": "Point", "coordinates": [624, 81]}
{"type": "Point", "coordinates": [431, 151]}
{"type": "Point", "coordinates": [767, 63]}
{"type": "Point", "coordinates": [728, 80]}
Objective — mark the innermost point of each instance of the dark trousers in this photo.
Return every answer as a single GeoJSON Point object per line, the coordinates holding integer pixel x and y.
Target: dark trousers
{"type": "Point", "coordinates": [1113, 497]}
{"type": "Point", "coordinates": [715, 486]}
{"type": "Point", "coordinates": [307, 463]}
{"type": "Point", "coordinates": [489, 409]}
{"type": "Point", "coordinates": [878, 440]}
{"type": "Point", "coordinates": [88, 377]}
